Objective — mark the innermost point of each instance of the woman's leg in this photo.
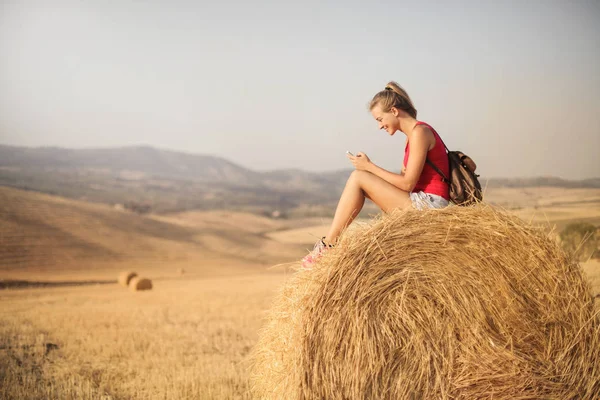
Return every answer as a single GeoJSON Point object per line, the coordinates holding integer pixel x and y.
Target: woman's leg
{"type": "Point", "coordinates": [363, 184]}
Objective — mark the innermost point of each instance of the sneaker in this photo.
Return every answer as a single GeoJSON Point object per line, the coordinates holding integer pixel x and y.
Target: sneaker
{"type": "Point", "coordinates": [315, 254]}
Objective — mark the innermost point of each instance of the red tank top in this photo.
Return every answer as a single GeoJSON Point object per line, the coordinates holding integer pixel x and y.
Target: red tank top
{"type": "Point", "coordinates": [430, 181]}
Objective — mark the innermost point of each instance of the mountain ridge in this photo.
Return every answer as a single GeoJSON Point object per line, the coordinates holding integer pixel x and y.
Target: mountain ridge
{"type": "Point", "coordinates": [172, 181]}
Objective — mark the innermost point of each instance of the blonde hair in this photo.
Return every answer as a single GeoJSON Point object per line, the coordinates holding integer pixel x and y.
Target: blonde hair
{"type": "Point", "coordinates": [394, 96]}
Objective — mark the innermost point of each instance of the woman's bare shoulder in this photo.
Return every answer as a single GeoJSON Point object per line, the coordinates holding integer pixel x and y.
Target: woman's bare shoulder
{"type": "Point", "coordinates": [425, 130]}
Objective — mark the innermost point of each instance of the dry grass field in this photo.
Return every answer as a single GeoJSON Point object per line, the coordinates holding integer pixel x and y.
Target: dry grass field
{"type": "Point", "coordinates": [68, 331]}
{"type": "Point", "coordinates": [185, 339]}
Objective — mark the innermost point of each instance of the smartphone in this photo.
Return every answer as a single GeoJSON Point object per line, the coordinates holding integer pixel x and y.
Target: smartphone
{"type": "Point", "coordinates": [347, 152]}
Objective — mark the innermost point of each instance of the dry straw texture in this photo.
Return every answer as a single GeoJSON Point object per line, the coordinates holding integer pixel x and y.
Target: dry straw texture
{"type": "Point", "coordinates": [138, 283]}
{"type": "Point", "coordinates": [125, 277]}
{"type": "Point", "coordinates": [461, 303]}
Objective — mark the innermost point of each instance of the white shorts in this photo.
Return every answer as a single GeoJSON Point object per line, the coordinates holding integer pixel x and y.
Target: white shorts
{"type": "Point", "coordinates": [422, 200]}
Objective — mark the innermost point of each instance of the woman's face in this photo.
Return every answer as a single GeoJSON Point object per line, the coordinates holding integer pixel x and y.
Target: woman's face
{"type": "Point", "coordinates": [386, 120]}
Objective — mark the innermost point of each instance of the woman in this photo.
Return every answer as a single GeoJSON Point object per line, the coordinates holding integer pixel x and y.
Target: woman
{"type": "Point", "coordinates": [418, 185]}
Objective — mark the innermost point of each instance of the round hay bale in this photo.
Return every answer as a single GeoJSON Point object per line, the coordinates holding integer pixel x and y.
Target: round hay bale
{"type": "Point", "coordinates": [459, 303]}
{"type": "Point", "coordinates": [181, 271]}
{"type": "Point", "coordinates": [139, 283]}
{"type": "Point", "coordinates": [125, 277]}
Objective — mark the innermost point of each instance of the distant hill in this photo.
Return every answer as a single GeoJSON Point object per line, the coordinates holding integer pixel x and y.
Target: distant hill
{"type": "Point", "coordinates": [53, 237]}
{"type": "Point", "coordinates": [543, 181]}
{"type": "Point", "coordinates": [167, 180]}
{"type": "Point", "coordinates": [138, 161]}
{"type": "Point", "coordinates": [173, 181]}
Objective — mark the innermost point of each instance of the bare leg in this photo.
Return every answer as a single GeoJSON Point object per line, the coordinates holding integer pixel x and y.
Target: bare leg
{"type": "Point", "coordinates": [350, 204]}
{"type": "Point", "coordinates": [359, 186]}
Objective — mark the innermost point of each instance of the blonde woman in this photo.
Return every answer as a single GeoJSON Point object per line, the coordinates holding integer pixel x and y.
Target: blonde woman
{"type": "Point", "coordinates": [418, 185]}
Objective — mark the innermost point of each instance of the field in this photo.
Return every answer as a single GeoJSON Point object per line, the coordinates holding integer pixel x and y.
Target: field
{"type": "Point", "coordinates": [184, 339]}
{"type": "Point", "coordinates": [68, 330]}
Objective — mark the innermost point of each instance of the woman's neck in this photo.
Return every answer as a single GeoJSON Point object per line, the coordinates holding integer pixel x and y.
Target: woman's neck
{"type": "Point", "coordinates": [407, 124]}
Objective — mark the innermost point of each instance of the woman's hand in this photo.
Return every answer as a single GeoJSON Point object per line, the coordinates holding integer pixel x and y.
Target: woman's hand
{"type": "Point", "coordinates": [361, 161]}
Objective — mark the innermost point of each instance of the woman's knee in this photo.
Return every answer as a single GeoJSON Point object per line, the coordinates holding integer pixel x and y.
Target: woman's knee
{"type": "Point", "coordinates": [358, 176]}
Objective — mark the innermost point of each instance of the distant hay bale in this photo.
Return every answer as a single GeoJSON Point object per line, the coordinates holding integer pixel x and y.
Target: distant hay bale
{"type": "Point", "coordinates": [138, 283]}
{"type": "Point", "coordinates": [125, 277]}
{"type": "Point", "coordinates": [181, 271]}
{"type": "Point", "coordinates": [460, 303]}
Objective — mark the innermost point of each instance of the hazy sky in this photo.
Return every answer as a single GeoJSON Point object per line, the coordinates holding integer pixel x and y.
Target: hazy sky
{"type": "Point", "coordinates": [279, 84]}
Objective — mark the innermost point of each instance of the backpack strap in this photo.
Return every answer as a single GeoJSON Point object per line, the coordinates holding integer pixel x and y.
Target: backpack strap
{"type": "Point", "coordinates": [439, 171]}
{"type": "Point", "coordinates": [444, 178]}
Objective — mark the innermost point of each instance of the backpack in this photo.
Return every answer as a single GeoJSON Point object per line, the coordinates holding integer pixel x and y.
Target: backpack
{"type": "Point", "coordinates": [465, 189]}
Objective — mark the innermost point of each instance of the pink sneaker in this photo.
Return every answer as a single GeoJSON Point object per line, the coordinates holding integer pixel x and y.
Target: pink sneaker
{"type": "Point", "coordinates": [315, 254]}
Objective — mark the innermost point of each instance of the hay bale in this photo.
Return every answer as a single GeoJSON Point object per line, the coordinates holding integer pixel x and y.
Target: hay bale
{"type": "Point", "coordinates": [181, 271]}
{"type": "Point", "coordinates": [139, 283]}
{"type": "Point", "coordinates": [460, 303]}
{"type": "Point", "coordinates": [125, 277]}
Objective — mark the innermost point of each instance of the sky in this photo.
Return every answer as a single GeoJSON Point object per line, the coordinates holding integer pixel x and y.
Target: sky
{"type": "Point", "coordinates": [278, 84]}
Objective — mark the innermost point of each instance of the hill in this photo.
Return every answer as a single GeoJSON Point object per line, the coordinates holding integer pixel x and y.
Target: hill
{"type": "Point", "coordinates": [53, 238]}
{"type": "Point", "coordinates": [548, 181]}
{"type": "Point", "coordinates": [167, 181]}
{"type": "Point", "coordinates": [129, 162]}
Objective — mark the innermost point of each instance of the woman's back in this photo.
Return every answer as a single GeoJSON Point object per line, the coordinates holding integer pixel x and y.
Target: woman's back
{"type": "Point", "coordinates": [430, 181]}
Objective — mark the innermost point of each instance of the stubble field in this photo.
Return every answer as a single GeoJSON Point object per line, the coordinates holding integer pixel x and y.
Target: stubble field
{"type": "Point", "coordinates": [189, 336]}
